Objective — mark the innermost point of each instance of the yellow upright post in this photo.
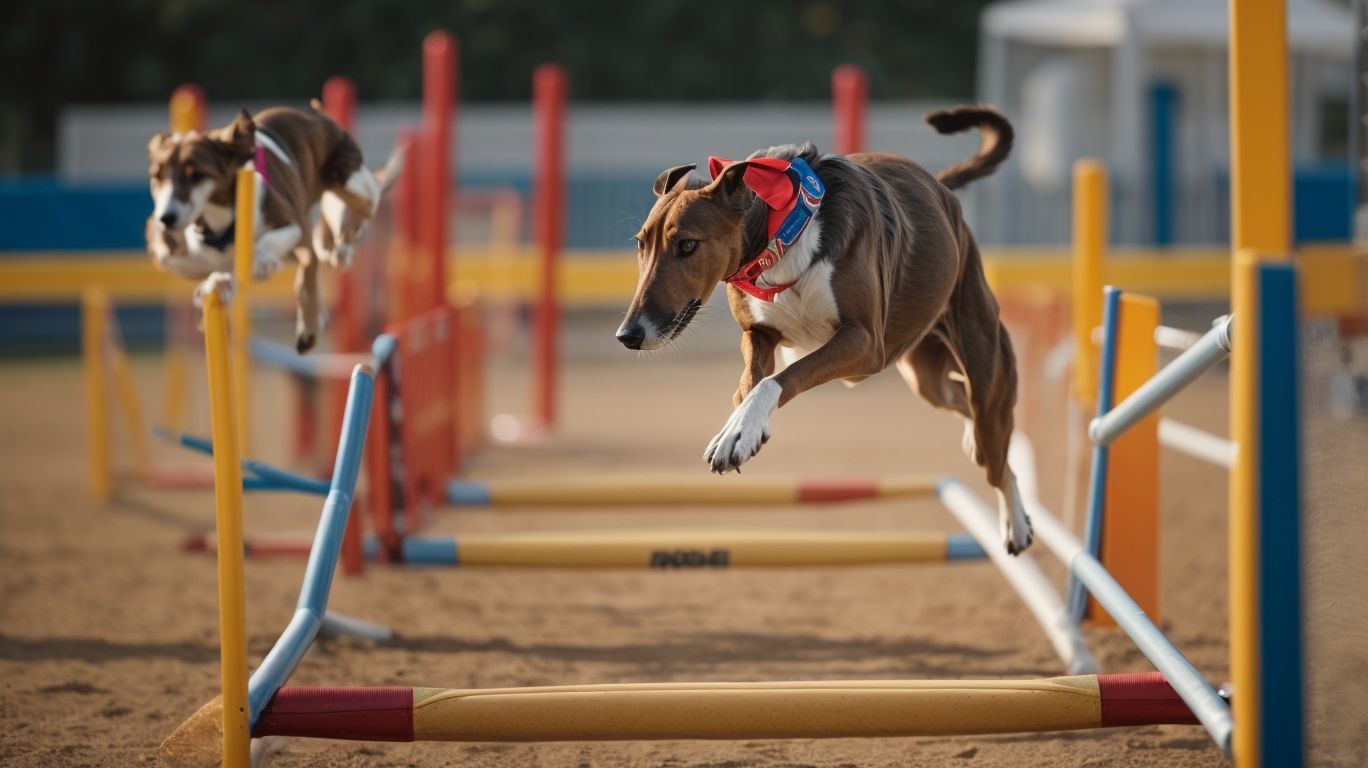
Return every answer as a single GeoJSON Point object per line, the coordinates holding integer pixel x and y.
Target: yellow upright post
{"type": "Point", "coordinates": [1130, 529]}
{"type": "Point", "coordinates": [173, 398]}
{"type": "Point", "coordinates": [243, 240]}
{"type": "Point", "coordinates": [187, 114]}
{"type": "Point", "coordinates": [94, 322]}
{"type": "Point", "coordinates": [1260, 191]}
{"type": "Point", "coordinates": [1089, 245]}
{"type": "Point", "coordinates": [228, 519]}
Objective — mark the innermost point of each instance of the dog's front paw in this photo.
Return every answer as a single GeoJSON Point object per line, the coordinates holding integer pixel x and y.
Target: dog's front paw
{"type": "Point", "coordinates": [340, 257]}
{"type": "Point", "coordinates": [264, 264]}
{"type": "Point", "coordinates": [745, 431]}
{"type": "Point", "coordinates": [305, 342]}
{"type": "Point", "coordinates": [219, 283]}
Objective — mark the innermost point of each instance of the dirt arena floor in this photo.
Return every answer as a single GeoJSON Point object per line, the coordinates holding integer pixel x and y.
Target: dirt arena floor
{"type": "Point", "coordinates": [108, 632]}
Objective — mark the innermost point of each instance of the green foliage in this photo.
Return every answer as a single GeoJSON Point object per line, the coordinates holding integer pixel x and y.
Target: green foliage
{"type": "Point", "coordinates": [56, 52]}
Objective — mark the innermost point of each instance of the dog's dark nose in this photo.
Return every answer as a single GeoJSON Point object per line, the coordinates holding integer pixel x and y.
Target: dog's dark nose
{"type": "Point", "coordinates": [631, 336]}
{"type": "Point", "coordinates": [168, 219]}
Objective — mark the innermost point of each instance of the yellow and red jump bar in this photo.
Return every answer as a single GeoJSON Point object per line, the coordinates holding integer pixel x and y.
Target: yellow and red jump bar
{"type": "Point", "coordinates": [674, 490]}
{"type": "Point", "coordinates": [783, 710]}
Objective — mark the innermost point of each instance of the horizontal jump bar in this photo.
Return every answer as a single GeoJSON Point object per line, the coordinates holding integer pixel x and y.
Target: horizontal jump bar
{"type": "Point", "coordinates": [674, 490]}
{"type": "Point", "coordinates": [650, 548]}
{"type": "Point", "coordinates": [785, 710]}
{"type": "Point", "coordinates": [1202, 356]}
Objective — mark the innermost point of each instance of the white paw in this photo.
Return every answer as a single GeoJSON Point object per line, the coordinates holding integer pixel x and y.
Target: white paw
{"type": "Point", "coordinates": [745, 431]}
{"type": "Point", "coordinates": [220, 283]}
{"type": "Point", "coordinates": [1014, 523]}
{"type": "Point", "coordinates": [340, 257]}
{"type": "Point", "coordinates": [264, 264]}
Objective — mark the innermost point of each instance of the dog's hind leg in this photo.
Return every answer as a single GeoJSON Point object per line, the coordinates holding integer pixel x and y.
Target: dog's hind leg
{"type": "Point", "coordinates": [308, 317]}
{"type": "Point", "coordinates": [979, 383]}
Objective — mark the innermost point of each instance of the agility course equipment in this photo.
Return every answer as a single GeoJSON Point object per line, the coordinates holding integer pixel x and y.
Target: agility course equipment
{"type": "Point", "coordinates": [829, 709]}
{"type": "Point", "coordinates": [787, 710]}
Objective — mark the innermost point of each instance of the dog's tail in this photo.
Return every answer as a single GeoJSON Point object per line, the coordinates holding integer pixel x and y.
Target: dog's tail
{"type": "Point", "coordinates": [996, 141]}
{"type": "Point", "coordinates": [393, 167]}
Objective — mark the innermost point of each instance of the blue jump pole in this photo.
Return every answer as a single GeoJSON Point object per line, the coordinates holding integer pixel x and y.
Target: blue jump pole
{"type": "Point", "coordinates": [280, 662]}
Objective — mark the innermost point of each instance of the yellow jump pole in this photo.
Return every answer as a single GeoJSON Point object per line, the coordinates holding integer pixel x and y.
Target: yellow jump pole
{"type": "Point", "coordinates": [94, 329]}
{"type": "Point", "coordinates": [243, 242]}
{"type": "Point", "coordinates": [654, 491]}
{"type": "Point", "coordinates": [1261, 230]}
{"type": "Point", "coordinates": [187, 114]}
{"type": "Point", "coordinates": [1089, 247]}
{"type": "Point", "coordinates": [783, 710]}
{"type": "Point", "coordinates": [228, 519]}
{"type": "Point", "coordinates": [689, 548]}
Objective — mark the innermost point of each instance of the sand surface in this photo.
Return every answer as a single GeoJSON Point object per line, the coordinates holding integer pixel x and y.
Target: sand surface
{"type": "Point", "coordinates": [108, 632]}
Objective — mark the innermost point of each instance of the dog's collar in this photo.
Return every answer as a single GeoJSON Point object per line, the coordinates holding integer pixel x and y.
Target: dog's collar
{"type": "Point", "coordinates": [219, 241]}
{"type": "Point", "coordinates": [793, 193]}
{"type": "Point", "coordinates": [265, 142]}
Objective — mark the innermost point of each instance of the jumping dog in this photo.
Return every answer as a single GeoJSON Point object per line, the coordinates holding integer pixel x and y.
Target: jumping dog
{"type": "Point", "coordinates": [301, 160]}
{"type": "Point", "coordinates": [837, 268]}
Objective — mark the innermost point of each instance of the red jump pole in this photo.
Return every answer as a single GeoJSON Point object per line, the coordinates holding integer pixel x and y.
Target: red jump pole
{"type": "Point", "coordinates": [849, 106]}
{"type": "Point", "coordinates": [339, 104]}
{"type": "Point", "coordinates": [439, 102]}
{"type": "Point", "coordinates": [548, 106]}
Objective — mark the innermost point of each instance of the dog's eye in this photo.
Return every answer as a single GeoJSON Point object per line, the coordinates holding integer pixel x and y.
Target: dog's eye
{"type": "Point", "coordinates": [687, 247]}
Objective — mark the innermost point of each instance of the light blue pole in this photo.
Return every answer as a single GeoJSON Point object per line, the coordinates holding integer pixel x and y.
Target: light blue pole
{"type": "Point", "coordinates": [327, 544]}
{"type": "Point", "coordinates": [1097, 483]}
{"type": "Point", "coordinates": [1202, 356]}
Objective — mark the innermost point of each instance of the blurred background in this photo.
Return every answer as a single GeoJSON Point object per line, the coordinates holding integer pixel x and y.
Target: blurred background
{"type": "Point", "coordinates": [531, 217]}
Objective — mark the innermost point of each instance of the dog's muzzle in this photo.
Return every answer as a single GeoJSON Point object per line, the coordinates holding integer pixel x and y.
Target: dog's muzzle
{"type": "Point", "coordinates": [631, 335]}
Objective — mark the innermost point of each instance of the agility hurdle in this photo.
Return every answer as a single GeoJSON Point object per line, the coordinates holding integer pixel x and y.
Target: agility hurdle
{"type": "Point", "coordinates": [257, 706]}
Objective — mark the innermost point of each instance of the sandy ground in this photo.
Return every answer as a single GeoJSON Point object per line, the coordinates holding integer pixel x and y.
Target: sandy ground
{"type": "Point", "coordinates": [108, 632]}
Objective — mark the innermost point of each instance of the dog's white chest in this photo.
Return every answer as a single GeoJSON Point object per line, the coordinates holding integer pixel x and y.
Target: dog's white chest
{"type": "Point", "coordinates": [805, 315]}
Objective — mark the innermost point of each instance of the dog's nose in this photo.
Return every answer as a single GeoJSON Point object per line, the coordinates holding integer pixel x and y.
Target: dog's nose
{"type": "Point", "coordinates": [168, 219]}
{"type": "Point", "coordinates": [632, 335]}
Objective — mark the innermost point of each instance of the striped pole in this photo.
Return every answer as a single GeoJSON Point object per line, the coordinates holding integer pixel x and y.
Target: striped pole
{"type": "Point", "coordinates": [1270, 728]}
{"type": "Point", "coordinates": [670, 711]}
{"type": "Point", "coordinates": [228, 521]}
{"type": "Point", "coordinates": [653, 548]}
{"type": "Point", "coordinates": [654, 491]}
{"type": "Point", "coordinates": [689, 548]}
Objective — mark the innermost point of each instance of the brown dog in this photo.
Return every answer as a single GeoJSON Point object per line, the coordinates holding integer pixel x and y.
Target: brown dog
{"type": "Point", "coordinates": [885, 273]}
{"type": "Point", "coordinates": [301, 160]}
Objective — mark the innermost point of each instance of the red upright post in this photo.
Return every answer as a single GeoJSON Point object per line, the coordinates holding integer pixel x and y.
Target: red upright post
{"type": "Point", "coordinates": [548, 106]}
{"type": "Point", "coordinates": [339, 104]}
{"type": "Point", "coordinates": [439, 102]}
{"type": "Point", "coordinates": [849, 106]}
{"type": "Point", "coordinates": [402, 273]}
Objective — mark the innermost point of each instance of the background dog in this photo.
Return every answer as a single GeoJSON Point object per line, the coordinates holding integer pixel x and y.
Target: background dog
{"type": "Point", "coordinates": [886, 273]}
{"type": "Point", "coordinates": [301, 159]}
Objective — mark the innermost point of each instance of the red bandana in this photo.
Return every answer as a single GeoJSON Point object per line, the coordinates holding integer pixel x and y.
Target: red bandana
{"type": "Point", "coordinates": [773, 181]}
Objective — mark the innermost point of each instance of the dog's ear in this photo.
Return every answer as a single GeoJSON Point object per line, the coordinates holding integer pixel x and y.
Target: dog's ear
{"type": "Point", "coordinates": [669, 177]}
{"type": "Point", "coordinates": [240, 135]}
{"type": "Point", "coordinates": [159, 144]}
{"type": "Point", "coordinates": [729, 188]}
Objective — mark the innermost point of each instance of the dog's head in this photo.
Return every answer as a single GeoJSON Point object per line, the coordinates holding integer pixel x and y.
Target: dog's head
{"type": "Point", "coordinates": [690, 242]}
{"type": "Point", "coordinates": [189, 170]}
